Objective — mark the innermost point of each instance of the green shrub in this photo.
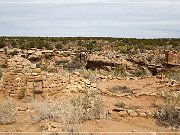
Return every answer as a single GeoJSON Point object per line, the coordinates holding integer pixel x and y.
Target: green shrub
{"type": "Point", "coordinates": [59, 46]}
{"type": "Point", "coordinates": [120, 71]}
{"type": "Point", "coordinates": [91, 46]}
{"type": "Point", "coordinates": [139, 73]}
{"type": "Point", "coordinates": [173, 74]}
{"type": "Point", "coordinates": [14, 44]}
{"type": "Point", "coordinates": [169, 114]}
{"type": "Point", "coordinates": [61, 62]}
{"type": "Point", "coordinates": [2, 44]}
{"type": "Point", "coordinates": [14, 53]}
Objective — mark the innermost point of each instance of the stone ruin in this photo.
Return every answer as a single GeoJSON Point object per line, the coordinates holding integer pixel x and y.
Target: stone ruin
{"type": "Point", "coordinates": [3, 57]}
{"type": "Point", "coordinates": [173, 58]}
{"type": "Point", "coordinates": [24, 79]}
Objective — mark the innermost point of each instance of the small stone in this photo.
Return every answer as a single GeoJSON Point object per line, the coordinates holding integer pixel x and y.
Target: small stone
{"type": "Point", "coordinates": [76, 73]}
{"type": "Point", "coordinates": [142, 114]}
{"type": "Point", "coordinates": [148, 112]}
{"type": "Point", "coordinates": [122, 113]}
{"type": "Point", "coordinates": [129, 96]}
{"type": "Point", "coordinates": [73, 90]}
{"type": "Point", "coordinates": [34, 74]}
{"type": "Point", "coordinates": [87, 81]}
{"type": "Point", "coordinates": [94, 85]}
{"type": "Point", "coordinates": [22, 108]}
{"type": "Point", "coordinates": [152, 94]}
{"type": "Point", "coordinates": [132, 113]}
{"type": "Point", "coordinates": [33, 66]}
{"type": "Point", "coordinates": [37, 70]}
{"type": "Point", "coordinates": [64, 90]}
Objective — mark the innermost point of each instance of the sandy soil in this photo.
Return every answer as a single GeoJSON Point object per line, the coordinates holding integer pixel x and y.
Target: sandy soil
{"type": "Point", "coordinates": [125, 125]}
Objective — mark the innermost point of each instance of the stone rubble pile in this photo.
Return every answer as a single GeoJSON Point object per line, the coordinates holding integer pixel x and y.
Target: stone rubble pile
{"type": "Point", "coordinates": [121, 112]}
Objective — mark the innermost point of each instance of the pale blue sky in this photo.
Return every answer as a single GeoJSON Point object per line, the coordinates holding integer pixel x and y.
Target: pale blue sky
{"type": "Point", "coordinates": [150, 19]}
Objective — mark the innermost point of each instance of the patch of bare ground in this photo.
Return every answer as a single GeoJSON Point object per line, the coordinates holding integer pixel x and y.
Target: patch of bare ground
{"type": "Point", "coordinates": [143, 94]}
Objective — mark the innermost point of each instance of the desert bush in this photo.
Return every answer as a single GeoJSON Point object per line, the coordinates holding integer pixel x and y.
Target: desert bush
{"type": "Point", "coordinates": [63, 112]}
{"type": "Point", "coordinates": [8, 112]}
{"type": "Point", "coordinates": [74, 65]}
{"type": "Point", "coordinates": [139, 73]}
{"type": "Point", "coordinates": [92, 104]}
{"type": "Point", "coordinates": [14, 44]}
{"type": "Point", "coordinates": [173, 74]}
{"type": "Point", "coordinates": [14, 53]}
{"type": "Point", "coordinates": [120, 71]}
{"type": "Point", "coordinates": [120, 104]}
{"type": "Point", "coordinates": [119, 89]}
{"type": "Point", "coordinates": [91, 46]}
{"type": "Point", "coordinates": [47, 110]}
{"type": "Point", "coordinates": [2, 44]}
{"type": "Point", "coordinates": [71, 114]}
{"type": "Point", "coordinates": [58, 111]}
{"type": "Point", "coordinates": [169, 114]}
{"type": "Point", "coordinates": [59, 46]}
{"type": "Point", "coordinates": [61, 62]}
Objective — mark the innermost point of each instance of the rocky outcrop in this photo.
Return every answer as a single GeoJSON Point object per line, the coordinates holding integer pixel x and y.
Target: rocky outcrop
{"type": "Point", "coordinates": [105, 60]}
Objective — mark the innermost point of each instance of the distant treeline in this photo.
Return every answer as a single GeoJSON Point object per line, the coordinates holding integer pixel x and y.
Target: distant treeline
{"type": "Point", "coordinates": [123, 45]}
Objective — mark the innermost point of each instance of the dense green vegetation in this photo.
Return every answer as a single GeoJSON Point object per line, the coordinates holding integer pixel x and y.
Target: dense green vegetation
{"type": "Point", "coordinates": [124, 45]}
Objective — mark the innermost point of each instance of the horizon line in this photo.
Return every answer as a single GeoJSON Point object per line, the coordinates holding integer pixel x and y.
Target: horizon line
{"type": "Point", "coordinates": [90, 37]}
{"type": "Point", "coordinates": [89, 2]}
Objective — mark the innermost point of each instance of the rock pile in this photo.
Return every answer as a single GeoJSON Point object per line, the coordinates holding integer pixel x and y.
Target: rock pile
{"type": "Point", "coordinates": [121, 112]}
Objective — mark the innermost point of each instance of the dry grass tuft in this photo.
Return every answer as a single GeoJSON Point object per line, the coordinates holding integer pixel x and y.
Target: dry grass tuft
{"type": "Point", "coordinates": [170, 113]}
{"type": "Point", "coordinates": [8, 112]}
{"type": "Point", "coordinates": [119, 89]}
{"type": "Point", "coordinates": [70, 114]}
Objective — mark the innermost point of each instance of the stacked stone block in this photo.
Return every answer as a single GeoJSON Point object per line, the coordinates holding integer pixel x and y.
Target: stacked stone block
{"type": "Point", "coordinates": [22, 76]}
{"type": "Point", "coordinates": [173, 58]}
{"type": "Point", "coordinates": [3, 57]}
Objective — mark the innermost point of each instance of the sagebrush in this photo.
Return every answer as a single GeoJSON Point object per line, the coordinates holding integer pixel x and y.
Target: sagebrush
{"type": "Point", "coordinates": [8, 112]}
{"type": "Point", "coordinates": [169, 114]}
{"type": "Point", "coordinates": [70, 114]}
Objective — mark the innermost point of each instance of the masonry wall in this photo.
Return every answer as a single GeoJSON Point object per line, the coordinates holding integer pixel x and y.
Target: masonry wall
{"type": "Point", "coordinates": [173, 58]}
{"type": "Point", "coordinates": [23, 77]}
